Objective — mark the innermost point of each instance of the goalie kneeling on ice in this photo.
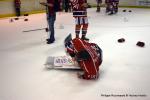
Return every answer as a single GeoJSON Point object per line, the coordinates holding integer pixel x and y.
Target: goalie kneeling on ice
{"type": "Point", "coordinates": [88, 55]}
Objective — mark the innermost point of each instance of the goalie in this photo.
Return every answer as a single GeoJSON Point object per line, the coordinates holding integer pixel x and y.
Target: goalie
{"type": "Point", "coordinates": [88, 56]}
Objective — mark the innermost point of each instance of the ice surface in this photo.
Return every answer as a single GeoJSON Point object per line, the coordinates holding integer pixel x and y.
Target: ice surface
{"type": "Point", "coordinates": [125, 68]}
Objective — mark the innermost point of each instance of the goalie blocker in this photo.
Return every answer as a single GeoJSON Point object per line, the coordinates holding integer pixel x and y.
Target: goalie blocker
{"type": "Point", "coordinates": [88, 55]}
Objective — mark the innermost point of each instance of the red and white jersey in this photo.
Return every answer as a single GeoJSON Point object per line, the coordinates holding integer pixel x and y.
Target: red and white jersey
{"type": "Point", "coordinates": [78, 8]}
{"type": "Point", "coordinates": [87, 56]}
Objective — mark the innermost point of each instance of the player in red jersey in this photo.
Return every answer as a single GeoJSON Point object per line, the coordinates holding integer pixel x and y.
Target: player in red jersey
{"type": "Point", "coordinates": [88, 56]}
{"type": "Point", "coordinates": [79, 9]}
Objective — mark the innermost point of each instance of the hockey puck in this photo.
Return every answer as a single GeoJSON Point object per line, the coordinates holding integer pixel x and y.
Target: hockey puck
{"type": "Point", "coordinates": [130, 11]}
{"type": "Point", "coordinates": [121, 40]}
{"type": "Point", "coordinates": [140, 44]}
{"type": "Point", "coordinates": [124, 10]}
{"type": "Point", "coordinates": [46, 29]}
{"type": "Point", "coordinates": [25, 19]}
{"type": "Point", "coordinates": [16, 18]}
{"type": "Point", "coordinates": [26, 14]}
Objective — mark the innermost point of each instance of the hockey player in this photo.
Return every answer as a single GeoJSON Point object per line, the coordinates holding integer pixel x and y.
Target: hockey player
{"type": "Point", "coordinates": [17, 4]}
{"type": "Point", "coordinates": [99, 2]}
{"type": "Point", "coordinates": [111, 6]}
{"type": "Point", "coordinates": [116, 3]}
{"type": "Point", "coordinates": [88, 56]}
{"type": "Point", "coordinates": [67, 5]}
{"type": "Point", "coordinates": [79, 8]}
{"type": "Point", "coordinates": [108, 4]}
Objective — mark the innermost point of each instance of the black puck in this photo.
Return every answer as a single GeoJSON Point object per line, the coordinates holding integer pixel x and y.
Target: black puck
{"type": "Point", "coordinates": [121, 40]}
{"type": "Point", "coordinates": [16, 18]}
{"type": "Point", "coordinates": [25, 19]}
{"type": "Point", "coordinates": [26, 14]}
{"type": "Point", "coordinates": [140, 44]}
{"type": "Point", "coordinates": [124, 10]}
{"type": "Point", "coordinates": [130, 10]}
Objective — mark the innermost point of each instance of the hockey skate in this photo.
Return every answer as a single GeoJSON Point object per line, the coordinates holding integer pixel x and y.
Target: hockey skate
{"type": "Point", "coordinates": [98, 9]}
{"type": "Point", "coordinates": [111, 13]}
{"type": "Point", "coordinates": [50, 41]}
{"type": "Point", "coordinates": [84, 38]}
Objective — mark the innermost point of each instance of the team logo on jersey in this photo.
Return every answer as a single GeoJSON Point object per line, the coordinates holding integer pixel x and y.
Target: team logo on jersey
{"type": "Point", "coordinates": [75, 4]}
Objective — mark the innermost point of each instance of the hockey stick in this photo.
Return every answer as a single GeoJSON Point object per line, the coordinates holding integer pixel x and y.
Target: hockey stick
{"type": "Point", "coordinates": [62, 67]}
{"type": "Point", "coordinates": [36, 29]}
{"type": "Point", "coordinates": [47, 18]}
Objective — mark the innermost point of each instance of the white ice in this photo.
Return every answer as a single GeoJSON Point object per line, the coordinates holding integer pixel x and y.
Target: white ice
{"type": "Point", "coordinates": [125, 68]}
